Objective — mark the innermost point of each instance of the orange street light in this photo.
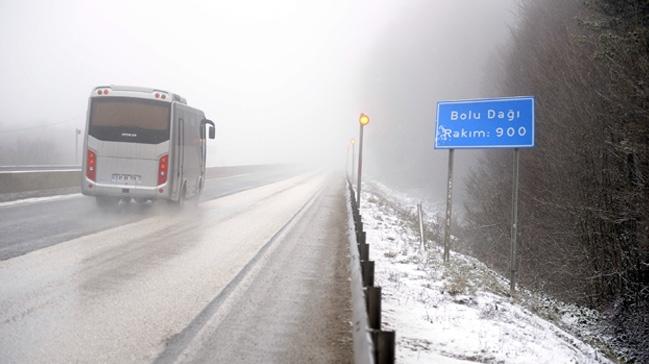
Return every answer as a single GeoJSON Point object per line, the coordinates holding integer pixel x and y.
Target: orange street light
{"type": "Point", "coordinates": [363, 120]}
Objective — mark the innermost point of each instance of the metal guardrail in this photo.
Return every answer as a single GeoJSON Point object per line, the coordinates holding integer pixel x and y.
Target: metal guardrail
{"type": "Point", "coordinates": [26, 181]}
{"type": "Point", "coordinates": [211, 171]}
{"type": "Point", "coordinates": [19, 179]}
{"type": "Point", "coordinates": [383, 340]}
{"type": "Point", "coordinates": [48, 167]}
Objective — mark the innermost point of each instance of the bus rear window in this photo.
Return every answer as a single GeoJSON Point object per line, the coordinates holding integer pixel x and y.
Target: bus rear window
{"type": "Point", "coordinates": [132, 120]}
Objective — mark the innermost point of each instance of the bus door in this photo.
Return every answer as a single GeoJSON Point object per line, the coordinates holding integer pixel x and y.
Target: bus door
{"type": "Point", "coordinates": [180, 154]}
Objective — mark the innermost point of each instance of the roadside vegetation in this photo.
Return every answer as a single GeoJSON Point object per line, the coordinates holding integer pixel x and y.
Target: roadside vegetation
{"type": "Point", "coordinates": [462, 310]}
{"type": "Point", "coordinates": [584, 188]}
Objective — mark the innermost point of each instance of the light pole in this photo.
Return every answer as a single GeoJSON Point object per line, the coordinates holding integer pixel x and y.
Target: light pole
{"type": "Point", "coordinates": [362, 120]}
{"type": "Point", "coordinates": [77, 132]}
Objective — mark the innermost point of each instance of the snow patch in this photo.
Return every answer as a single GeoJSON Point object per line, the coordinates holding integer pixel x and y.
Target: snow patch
{"type": "Point", "coordinates": [454, 313]}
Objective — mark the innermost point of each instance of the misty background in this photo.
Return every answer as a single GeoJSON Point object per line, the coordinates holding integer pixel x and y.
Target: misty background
{"type": "Point", "coordinates": [284, 81]}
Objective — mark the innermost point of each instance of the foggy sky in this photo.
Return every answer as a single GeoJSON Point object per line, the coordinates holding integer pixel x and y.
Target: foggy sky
{"type": "Point", "coordinates": [441, 50]}
{"type": "Point", "coordinates": [283, 80]}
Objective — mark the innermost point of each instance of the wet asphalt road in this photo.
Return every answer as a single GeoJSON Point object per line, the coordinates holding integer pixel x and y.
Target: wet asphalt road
{"type": "Point", "coordinates": [255, 276]}
{"type": "Point", "coordinates": [25, 227]}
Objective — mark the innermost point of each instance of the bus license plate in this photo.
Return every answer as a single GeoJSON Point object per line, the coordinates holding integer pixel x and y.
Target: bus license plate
{"type": "Point", "coordinates": [126, 178]}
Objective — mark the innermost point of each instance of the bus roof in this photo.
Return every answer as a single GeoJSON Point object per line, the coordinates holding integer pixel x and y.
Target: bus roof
{"type": "Point", "coordinates": [118, 88]}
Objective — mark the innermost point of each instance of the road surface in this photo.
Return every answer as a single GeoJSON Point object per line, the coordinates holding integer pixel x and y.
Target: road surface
{"type": "Point", "coordinates": [254, 276]}
{"type": "Point", "coordinates": [27, 226]}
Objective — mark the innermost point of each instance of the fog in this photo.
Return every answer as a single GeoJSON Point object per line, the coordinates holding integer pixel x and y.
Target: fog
{"type": "Point", "coordinates": [284, 81]}
{"type": "Point", "coordinates": [442, 51]}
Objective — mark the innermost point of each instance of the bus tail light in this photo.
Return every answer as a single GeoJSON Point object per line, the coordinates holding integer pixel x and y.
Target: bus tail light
{"type": "Point", "coordinates": [163, 168]}
{"type": "Point", "coordinates": [91, 166]}
{"type": "Point", "coordinates": [160, 95]}
{"type": "Point", "coordinates": [102, 91]}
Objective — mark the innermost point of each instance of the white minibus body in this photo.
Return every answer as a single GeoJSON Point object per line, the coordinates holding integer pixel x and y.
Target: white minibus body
{"type": "Point", "coordinates": [145, 144]}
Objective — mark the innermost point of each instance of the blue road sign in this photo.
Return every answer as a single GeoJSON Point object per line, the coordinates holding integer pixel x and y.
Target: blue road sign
{"type": "Point", "coordinates": [485, 123]}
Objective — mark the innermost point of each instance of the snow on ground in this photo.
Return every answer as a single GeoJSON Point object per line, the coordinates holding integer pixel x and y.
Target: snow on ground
{"type": "Point", "coordinates": [456, 313]}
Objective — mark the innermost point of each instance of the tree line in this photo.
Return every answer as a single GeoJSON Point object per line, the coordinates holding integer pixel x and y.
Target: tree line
{"type": "Point", "coordinates": [584, 188]}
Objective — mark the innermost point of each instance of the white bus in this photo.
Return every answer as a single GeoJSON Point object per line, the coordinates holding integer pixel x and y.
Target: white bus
{"type": "Point", "coordinates": [143, 144]}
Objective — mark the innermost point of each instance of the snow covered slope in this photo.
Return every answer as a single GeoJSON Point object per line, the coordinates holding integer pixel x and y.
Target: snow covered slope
{"type": "Point", "coordinates": [456, 313]}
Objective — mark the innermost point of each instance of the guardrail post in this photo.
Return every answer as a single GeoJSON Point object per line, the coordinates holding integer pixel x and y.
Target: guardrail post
{"type": "Point", "coordinates": [361, 237]}
{"type": "Point", "coordinates": [384, 344]}
{"type": "Point", "coordinates": [373, 302]}
{"type": "Point", "coordinates": [364, 251]}
{"type": "Point", "coordinates": [384, 341]}
{"type": "Point", "coordinates": [367, 268]}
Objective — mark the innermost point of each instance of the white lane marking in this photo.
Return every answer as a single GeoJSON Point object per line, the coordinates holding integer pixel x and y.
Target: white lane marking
{"type": "Point", "coordinates": [27, 201]}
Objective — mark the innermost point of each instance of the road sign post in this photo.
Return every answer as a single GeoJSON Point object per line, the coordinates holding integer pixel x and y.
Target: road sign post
{"type": "Point", "coordinates": [514, 233]}
{"type": "Point", "coordinates": [449, 207]}
{"type": "Point", "coordinates": [485, 124]}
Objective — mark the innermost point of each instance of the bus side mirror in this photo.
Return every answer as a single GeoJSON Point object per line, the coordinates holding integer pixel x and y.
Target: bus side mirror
{"type": "Point", "coordinates": [205, 123]}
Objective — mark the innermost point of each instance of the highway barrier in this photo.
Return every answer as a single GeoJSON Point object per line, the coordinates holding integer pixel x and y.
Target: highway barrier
{"type": "Point", "coordinates": [382, 345]}
{"type": "Point", "coordinates": [22, 179]}
{"type": "Point", "coordinates": [44, 167]}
